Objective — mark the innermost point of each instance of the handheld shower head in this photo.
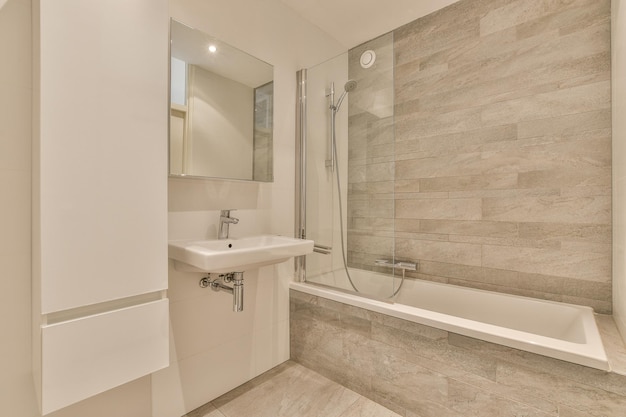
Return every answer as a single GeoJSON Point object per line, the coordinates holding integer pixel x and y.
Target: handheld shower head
{"type": "Point", "coordinates": [349, 86]}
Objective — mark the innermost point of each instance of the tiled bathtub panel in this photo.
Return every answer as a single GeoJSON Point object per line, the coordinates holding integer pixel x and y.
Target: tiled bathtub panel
{"type": "Point", "coordinates": [429, 372]}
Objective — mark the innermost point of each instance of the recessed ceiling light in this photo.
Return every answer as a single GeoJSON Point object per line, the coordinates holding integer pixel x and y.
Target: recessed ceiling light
{"type": "Point", "coordinates": [212, 48]}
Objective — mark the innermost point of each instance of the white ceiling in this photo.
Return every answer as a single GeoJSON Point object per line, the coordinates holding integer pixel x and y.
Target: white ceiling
{"type": "Point", "coordinates": [353, 22]}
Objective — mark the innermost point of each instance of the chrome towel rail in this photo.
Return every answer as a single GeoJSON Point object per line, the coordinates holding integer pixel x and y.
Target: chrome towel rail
{"type": "Point", "coordinates": [324, 250]}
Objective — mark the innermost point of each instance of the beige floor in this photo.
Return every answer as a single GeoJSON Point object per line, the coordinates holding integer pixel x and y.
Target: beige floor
{"type": "Point", "coordinates": [291, 390]}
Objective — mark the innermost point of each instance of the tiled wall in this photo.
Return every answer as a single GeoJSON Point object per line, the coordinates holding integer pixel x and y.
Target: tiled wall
{"type": "Point", "coordinates": [421, 371]}
{"type": "Point", "coordinates": [502, 150]}
{"type": "Point", "coordinates": [371, 156]}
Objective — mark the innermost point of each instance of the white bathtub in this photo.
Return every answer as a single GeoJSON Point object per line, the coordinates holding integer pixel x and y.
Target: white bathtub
{"type": "Point", "coordinates": [558, 330]}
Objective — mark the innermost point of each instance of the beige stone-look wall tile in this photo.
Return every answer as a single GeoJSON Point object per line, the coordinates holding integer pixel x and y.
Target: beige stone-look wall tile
{"type": "Point", "coordinates": [594, 267]}
{"type": "Point", "coordinates": [371, 163]}
{"type": "Point", "coordinates": [568, 177]}
{"type": "Point", "coordinates": [454, 270]}
{"type": "Point", "coordinates": [469, 400]}
{"type": "Point", "coordinates": [415, 348]}
{"type": "Point", "coordinates": [584, 13]}
{"type": "Point", "coordinates": [610, 382]}
{"type": "Point", "coordinates": [469, 182]}
{"type": "Point", "coordinates": [548, 209]}
{"type": "Point", "coordinates": [398, 380]}
{"type": "Point", "coordinates": [567, 124]}
{"type": "Point", "coordinates": [588, 399]}
{"type": "Point", "coordinates": [521, 11]}
{"type": "Point", "coordinates": [447, 252]}
{"type": "Point", "coordinates": [512, 121]}
{"type": "Point", "coordinates": [409, 327]}
{"type": "Point", "coordinates": [447, 32]}
{"type": "Point", "coordinates": [466, 142]}
{"type": "Point", "coordinates": [372, 225]}
{"type": "Point", "coordinates": [566, 232]}
{"type": "Point", "coordinates": [500, 146]}
{"type": "Point", "coordinates": [451, 209]}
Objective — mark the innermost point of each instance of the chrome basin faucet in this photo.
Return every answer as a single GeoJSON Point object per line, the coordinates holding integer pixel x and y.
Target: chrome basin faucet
{"type": "Point", "coordinates": [225, 221]}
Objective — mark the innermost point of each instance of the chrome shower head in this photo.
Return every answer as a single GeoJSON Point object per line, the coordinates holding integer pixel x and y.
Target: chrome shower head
{"type": "Point", "coordinates": [349, 86]}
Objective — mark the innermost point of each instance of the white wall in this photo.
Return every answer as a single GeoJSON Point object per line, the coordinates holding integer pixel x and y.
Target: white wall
{"type": "Point", "coordinates": [17, 395]}
{"type": "Point", "coordinates": [214, 349]}
{"type": "Point", "coordinates": [618, 62]}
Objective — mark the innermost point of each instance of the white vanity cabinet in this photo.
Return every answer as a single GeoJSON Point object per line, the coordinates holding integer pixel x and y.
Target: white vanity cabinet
{"type": "Point", "coordinates": [100, 307]}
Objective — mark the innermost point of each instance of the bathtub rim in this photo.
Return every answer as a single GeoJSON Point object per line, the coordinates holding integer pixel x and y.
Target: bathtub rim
{"type": "Point", "coordinates": [591, 354]}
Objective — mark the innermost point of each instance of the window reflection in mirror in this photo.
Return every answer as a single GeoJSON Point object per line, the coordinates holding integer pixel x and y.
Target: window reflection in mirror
{"type": "Point", "coordinates": [221, 116]}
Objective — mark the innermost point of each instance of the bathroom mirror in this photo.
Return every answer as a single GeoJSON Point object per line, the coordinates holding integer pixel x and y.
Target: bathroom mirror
{"type": "Point", "coordinates": [221, 109]}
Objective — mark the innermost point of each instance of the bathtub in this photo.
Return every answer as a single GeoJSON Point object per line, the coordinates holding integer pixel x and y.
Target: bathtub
{"type": "Point", "coordinates": [558, 330]}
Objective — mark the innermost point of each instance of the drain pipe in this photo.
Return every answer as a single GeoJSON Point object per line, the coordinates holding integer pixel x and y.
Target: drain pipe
{"type": "Point", "coordinates": [219, 284]}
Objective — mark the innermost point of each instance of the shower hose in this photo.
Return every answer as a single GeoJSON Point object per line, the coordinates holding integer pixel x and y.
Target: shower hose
{"type": "Point", "coordinates": [341, 228]}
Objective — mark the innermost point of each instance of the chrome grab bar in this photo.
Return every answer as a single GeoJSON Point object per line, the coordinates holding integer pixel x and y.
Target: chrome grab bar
{"type": "Point", "coordinates": [324, 250]}
{"type": "Point", "coordinates": [405, 266]}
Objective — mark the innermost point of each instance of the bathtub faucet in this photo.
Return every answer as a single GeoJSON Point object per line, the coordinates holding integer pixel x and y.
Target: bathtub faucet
{"type": "Point", "coordinates": [403, 265]}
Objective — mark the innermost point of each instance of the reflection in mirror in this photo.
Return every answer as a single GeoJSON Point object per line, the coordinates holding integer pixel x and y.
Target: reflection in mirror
{"type": "Point", "coordinates": [221, 116]}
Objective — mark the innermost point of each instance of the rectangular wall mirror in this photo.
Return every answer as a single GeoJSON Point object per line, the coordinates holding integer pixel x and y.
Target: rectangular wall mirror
{"type": "Point", "coordinates": [221, 109]}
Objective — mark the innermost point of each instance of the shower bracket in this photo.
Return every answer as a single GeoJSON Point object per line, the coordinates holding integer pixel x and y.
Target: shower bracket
{"type": "Point", "coordinates": [218, 282]}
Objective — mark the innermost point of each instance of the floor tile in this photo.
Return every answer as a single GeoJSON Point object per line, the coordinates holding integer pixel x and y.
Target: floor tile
{"type": "Point", "coordinates": [207, 410]}
{"type": "Point", "coordinates": [292, 390]}
{"type": "Point", "coordinates": [364, 407]}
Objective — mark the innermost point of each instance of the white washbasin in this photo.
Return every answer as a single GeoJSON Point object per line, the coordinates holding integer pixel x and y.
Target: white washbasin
{"type": "Point", "coordinates": [235, 254]}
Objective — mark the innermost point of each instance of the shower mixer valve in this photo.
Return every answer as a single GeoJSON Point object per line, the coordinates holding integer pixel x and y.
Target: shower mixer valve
{"type": "Point", "coordinates": [403, 265]}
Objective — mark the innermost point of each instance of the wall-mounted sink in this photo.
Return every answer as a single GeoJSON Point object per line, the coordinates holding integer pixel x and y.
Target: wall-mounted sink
{"type": "Point", "coordinates": [235, 254]}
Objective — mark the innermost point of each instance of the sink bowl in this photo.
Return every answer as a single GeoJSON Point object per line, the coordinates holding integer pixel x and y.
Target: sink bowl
{"type": "Point", "coordinates": [235, 254]}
